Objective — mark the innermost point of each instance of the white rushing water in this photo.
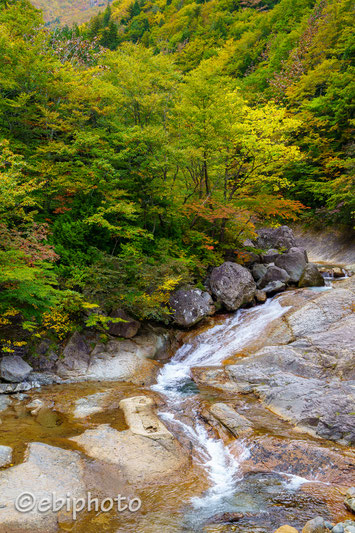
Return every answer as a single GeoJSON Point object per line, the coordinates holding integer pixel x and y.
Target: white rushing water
{"type": "Point", "coordinates": [210, 348]}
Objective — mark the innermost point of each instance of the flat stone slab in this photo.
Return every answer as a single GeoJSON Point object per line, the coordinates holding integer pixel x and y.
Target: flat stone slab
{"type": "Point", "coordinates": [141, 419]}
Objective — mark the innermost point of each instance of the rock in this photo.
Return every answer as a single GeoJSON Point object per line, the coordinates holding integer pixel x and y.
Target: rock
{"type": "Point", "coordinates": [302, 458]}
{"type": "Point", "coordinates": [311, 277]}
{"type": "Point", "coordinates": [338, 529]}
{"type": "Point", "coordinates": [89, 405]}
{"type": "Point", "coordinates": [127, 329]}
{"type": "Point", "coordinates": [349, 529]}
{"type": "Point", "coordinates": [329, 525]}
{"type": "Point", "coordinates": [338, 272]}
{"type": "Point", "coordinates": [258, 271]}
{"type": "Point", "coordinates": [260, 296]}
{"type": "Point", "coordinates": [116, 360]}
{"type": "Point", "coordinates": [13, 388]}
{"type": "Point", "coordinates": [279, 238]}
{"type": "Point", "coordinates": [270, 256]}
{"type": "Point", "coordinates": [47, 470]}
{"type": "Point", "coordinates": [5, 455]}
{"type": "Point", "coordinates": [315, 526]}
{"type": "Point", "coordinates": [350, 499]}
{"type": "Point", "coordinates": [141, 459]}
{"type": "Point", "coordinates": [14, 369]}
{"type": "Point", "coordinates": [236, 423]}
{"type": "Point", "coordinates": [190, 306]}
{"type": "Point", "coordinates": [5, 401]}
{"type": "Point", "coordinates": [294, 262]}
{"type": "Point", "coordinates": [141, 419]}
{"type": "Point", "coordinates": [76, 353]}
{"type": "Point", "coordinates": [45, 357]}
{"type": "Point", "coordinates": [232, 285]}
{"type": "Point", "coordinates": [274, 287]}
{"type": "Point", "coordinates": [286, 529]}
{"type": "Point", "coordinates": [273, 273]}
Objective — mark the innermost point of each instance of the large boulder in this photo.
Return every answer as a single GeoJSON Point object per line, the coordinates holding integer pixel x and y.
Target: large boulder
{"type": "Point", "coordinates": [316, 525]}
{"type": "Point", "coordinates": [118, 360]}
{"type": "Point", "coordinates": [273, 273]}
{"type": "Point", "coordinates": [46, 471]}
{"type": "Point", "coordinates": [232, 285]}
{"type": "Point", "coordinates": [190, 306]}
{"type": "Point", "coordinates": [276, 238]}
{"type": "Point", "coordinates": [14, 369]}
{"type": "Point", "coordinates": [294, 262]}
{"type": "Point", "coordinates": [127, 327]}
{"type": "Point", "coordinates": [311, 277]}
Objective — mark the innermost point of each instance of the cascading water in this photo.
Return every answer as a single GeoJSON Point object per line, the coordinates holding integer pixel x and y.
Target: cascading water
{"type": "Point", "coordinates": [210, 348]}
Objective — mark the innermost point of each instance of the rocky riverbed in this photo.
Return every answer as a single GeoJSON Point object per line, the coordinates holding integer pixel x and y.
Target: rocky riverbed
{"type": "Point", "coordinates": [244, 423]}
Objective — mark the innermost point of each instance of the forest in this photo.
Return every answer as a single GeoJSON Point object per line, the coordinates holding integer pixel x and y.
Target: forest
{"type": "Point", "coordinates": [141, 147]}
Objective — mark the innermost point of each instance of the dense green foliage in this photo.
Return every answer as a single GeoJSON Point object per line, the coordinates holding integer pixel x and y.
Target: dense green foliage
{"type": "Point", "coordinates": [136, 149]}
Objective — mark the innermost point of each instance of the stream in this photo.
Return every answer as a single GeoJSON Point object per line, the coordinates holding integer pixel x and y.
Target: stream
{"type": "Point", "coordinates": [216, 494]}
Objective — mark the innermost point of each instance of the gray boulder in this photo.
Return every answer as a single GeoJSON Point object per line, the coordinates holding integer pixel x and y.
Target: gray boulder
{"type": "Point", "coordinates": [294, 262]}
{"type": "Point", "coordinates": [232, 285]}
{"type": "Point", "coordinates": [274, 286]}
{"type": "Point", "coordinates": [270, 256]}
{"type": "Point", "coordinates": [258, 271]}
{"type": "Point", "coordinates": [317, 525]}
{"type": "Point", "coordinates": [127, 329]}
{"type": "Point", "coordinates": [14, 369]}
{"type": "Point", "coordinates": [279, 238]}
{"type": "Point", "coordinates": [311, 277]}
{"type": "Point", "coordinates": [273, 273]}
{"type": "Point", "coordinates": [190, 306]}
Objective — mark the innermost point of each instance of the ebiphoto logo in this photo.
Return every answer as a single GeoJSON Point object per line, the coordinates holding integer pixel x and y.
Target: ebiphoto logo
{"type": "Point", "coordinates": [27, 502]}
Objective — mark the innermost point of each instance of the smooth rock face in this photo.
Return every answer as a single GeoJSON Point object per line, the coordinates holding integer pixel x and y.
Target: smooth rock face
{"type": "Point", "coordinates": [306, 375]}
{"type": "Point", "coordinates": [127, 329]}
{"type": "Point", "coordinates": [46, 470]}
{"type": "Point", "coordinates": [119, 360]}
{"type": "Point", "coordinates": [190, 306]}
{"type": "Point", "coordinates": [236, 423]}
{"type": "Point", "coordinates": [273, 273]}
{"type": "Point", "coordinates": [14, 369]}
{"type": "Point", "coordinates": [279, 238]}
{"type": "Point", "coordinates": [232, 285]}
{"type": "Point", "coordinates": [316, 525]}
{"type": "Point", "coordinates": [140, 459]}
{"type": "Point", "coordinates": [311, 277]}
{"type": "Point", "coordinates": [294, 262]}
{"type": "Point", "coordinates": [5, 455]}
